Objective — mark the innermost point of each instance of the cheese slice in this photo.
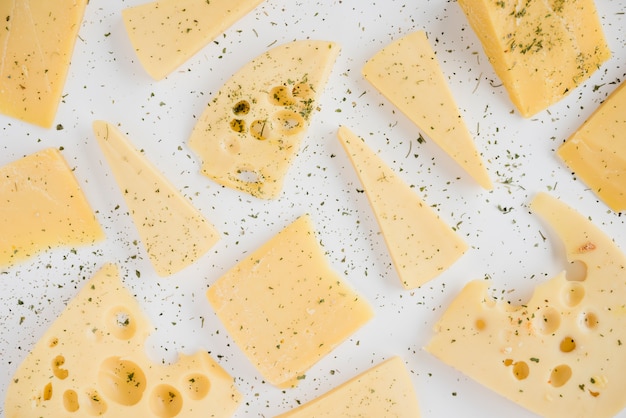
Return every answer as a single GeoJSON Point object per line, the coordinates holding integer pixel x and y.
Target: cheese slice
{"type": "Point", "coordinates": [540, 50]}
{"type": "Point", "coordinates": [36, 45]}
{"type": "Point", "coordinates": [92, 362]}
{"type": "Point", "coordinates": [166, 33]}
{"type": "Point", "coordinates": [285, 307]}
{"type": "Point", "coordinates": [173, 231]}
{"type": "Point", "coordinates": [407, 73]}
{"type": "Point", "coordinates": [42, 206]}
{"type": "Point", "coordinates": [596, 152]}
{"type": "Point", "coordinates": [560, 354]}
{"type": "Point", "coordinates": [251, 130]}
{"type": "Point", "coordinates": [421, 245]}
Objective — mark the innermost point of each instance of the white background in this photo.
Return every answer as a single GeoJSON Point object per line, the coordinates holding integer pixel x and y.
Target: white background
{"type": "Point", "coordinates": [107, 82]}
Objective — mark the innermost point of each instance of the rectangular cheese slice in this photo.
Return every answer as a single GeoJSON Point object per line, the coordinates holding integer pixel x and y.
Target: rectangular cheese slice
{"type": "Point", "coordinates": [36, 45]}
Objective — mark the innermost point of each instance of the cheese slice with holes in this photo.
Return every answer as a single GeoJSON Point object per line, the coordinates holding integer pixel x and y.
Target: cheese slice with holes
{"type": "Point", "coordinates": [385, 390]}
{"type": "Point", "coordinates": [92, 362]}
{"type": "Point", "coordinates": [251, 130]}
{"type": "Point", "coordinates": [285, 307]}
{"type": "Point", "coordinates": [42, 206]}
{"type": "Point", "coordinates": [420, 243]}
{"type": "Point", "coordinates": [166, 33]}
{"type": "Point", "coordinates": [596, 152]}
{"type": "Point", "coordinates": [407, 73]}
{"type": "Point", "coordinates": [540, 50]}
{"type": "Point", "coordinates": [36, 45]}
{"type": "Point", "coordinates": [560, 354]}
{"type": "Point", "coordinates": [174, 233]}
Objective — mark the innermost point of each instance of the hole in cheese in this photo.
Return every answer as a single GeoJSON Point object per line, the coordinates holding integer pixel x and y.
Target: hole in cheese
{"type": "Point", "coordinates": [520, 370]}
{"type": "Point", "coordinates": [281, 96]}
{"type": "Point", "coordinates": [588, 320]}
{"type": "Point", "coordinates": [242, 107]}
{"type": "Point", "coordinates": [548, 320]}
{"type": "Point", "coordinates": [238, 125]}
{"type": "Point", "coordinates": [572, 294]}
{"type": "Point", "coordinates": [249, 176]}
{"type": "Point", "coordinates": [576, 271]}
{"type": "Point", "coordinates": [261, 129]}
{"type": "Point", "coordinates": [122, 381]}
{"type": "Point", "coordinates": [47, 392]}
{"type": "Point", "coordinates": [289, 122]}
{"type": "Point", "coordinates": [567, 345]}
{"type": "Point", "coordinates": [57, 370]}
{"type": "Point", "coordinates": [480, 324]}
{"type": "Point", "coordinates": [93, 403]}
{"type": "Point", "coordinates": [120, 323]}
{"type": "Point", "coordinates": [560, 375]}
{"type": "Point", "coordinates": [197, 386]}
{"type": "Point", "coordinates": [70, 401]}
{"type": "Point", "coordinates": [165, 401]}
{"type": "Point", "coordinates": [53, 342]}
{"type": "Point", "coordinates": [303, 90]}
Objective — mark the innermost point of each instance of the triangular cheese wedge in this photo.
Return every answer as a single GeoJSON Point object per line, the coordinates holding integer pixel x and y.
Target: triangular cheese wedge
{"type": "Point", "coordinates": [36, 45]}
{"type": "Point", "coordinates": [407, 73]}
{"type": "Point", "coordinates": [173, 231]}
{"type": "Point", "coordinates": [385, 390]}
{"type": "Point", "coordinates": [166, 33]}
{"type": "Point", "coordinates": [42, 206]}
{"type": "Point", "coordinates": [285, 307]}
{"type": "Point", "coordinates": [561, 354]}
{"type": "Point", "coordinates": [421, 245]}
{"type": "Point", "coordinates": [252, 129]}
{"type": "Point", "coordinates": [92, 362]}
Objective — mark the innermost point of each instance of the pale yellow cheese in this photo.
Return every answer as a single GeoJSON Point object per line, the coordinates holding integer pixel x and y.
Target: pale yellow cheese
{"type": "Point", "coordinates": [561, 353]}
{"type": "Point", "coordinates": [540, 50]}
{"type": "Point", "coordinates": [421, 245]}
{"type": "Point", "coordinates": [42, 206]}
{"type": "Point", "coordinates": [166, 33]}
{"type": "Point", "coordinates": [596, 152]}
{"type": "Point", "coordinates": [174, 233]}
{"type": "Point", "coordinates": [251, 130]}
{"type": "Point", "coordinates": [407, 73]}
{"type": "Point", "coordinates": [385, 390]}
{"type": "Point", "coordinates": [92, 362]}
{"type": "Point", "coordinates": [36, 45]}
{"type": "Point", "coordinates": [285, 307]}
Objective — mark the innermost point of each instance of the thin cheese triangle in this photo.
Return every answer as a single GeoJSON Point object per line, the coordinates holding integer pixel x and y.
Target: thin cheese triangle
{"type": "Point", "coordinates": [421, 245]}
{"type": "Point", "coordinates": [407, 73]}
{"type": "Point", "coordinates": [92, 362]}
{"type": "Point", "coordinates": [252, 129]}
{"type": "Point", "coordinates": [173, 231]}
{"type": "Point", "coordinates": [560, 354]}
{"type": "Point", "coordinates": [166, 33]}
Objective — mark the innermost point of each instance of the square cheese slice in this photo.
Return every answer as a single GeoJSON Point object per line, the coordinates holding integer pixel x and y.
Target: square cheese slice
{"type": "Point", "coordinates": [42, 206]}
{"type": "Point", "coordinates": [285, 307]}
{"type": "Point", "coordinates": [92, 362]}
{"type": "Point", "coordinates": [596, 152]}
{"type": "Point", "coordinates": [562, 353]}
{"type": "Point", "coordinates": [385, 390]}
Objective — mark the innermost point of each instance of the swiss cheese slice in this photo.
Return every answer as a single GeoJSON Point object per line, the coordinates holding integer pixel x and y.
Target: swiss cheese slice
{"type": "Point", "coordinates": [597, 150]}
{"type": "Point", "coordinates": [173, 231]}
{"type": "Point", "coordinates": [421, 245]}
{"type": "Point", "coordinates": [285, 307]}
{"type": "Point", "coordinates": [540, 50]}
{"type": "Point", "coordinates": [407, 73]}
{"type": "Point", "coordinates": [385, 390]}
{"type": "Point", "coordinates": [166, 33]}
{"type": "Point", "coordinates": [562, 353]}
{"type": "Point", "coordinates": [92, 362]}
{"type": "Point", "coordinates": [251, 130]}
{"type": "Point", "coordinates": [42, 206]}
{"type": "Point", "coordinates": [36, 45]}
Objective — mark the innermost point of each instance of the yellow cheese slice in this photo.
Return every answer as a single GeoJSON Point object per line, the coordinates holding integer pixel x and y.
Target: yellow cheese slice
{"type": "Point", "coordinates": [560, 354]}
{"type": "Point", "coordinates": [36, 45]}
{"type": "Point", "coordinates": [42, 206]}
{"type": "Point", "coordinates": [385, 390]}
{"type": "Point", "coordinates": [540, 50]}
{"type": "Point", "coordinates": [166, 33]}
{"type": "Point", "coordinates": [596, 152]}
{"type": "Point", "coordinates": [421, 245]}
{"type": "Point", "coordinates": [92, 362]}
{"type": "Point", "coordinates": [252, 129]}
{"type": "Point", "coordinates": [285, 307]}
{"type": "Point", "coordinates": [407, 73]}
{"type": "Point", "coordinates": [173, 231]}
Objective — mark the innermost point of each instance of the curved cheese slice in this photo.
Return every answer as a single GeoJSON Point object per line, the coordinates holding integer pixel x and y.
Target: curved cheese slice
{"type": "Point", "coordinates": [173, 231]}
{"type": "Point", "coordinates": [285, 307]}
{"type": "Point", "coordinates": [252, 129]}
{"type": "Point", "coordinates": [166, 33]}
{"type": "Point", "coordinates": [42, 206]}
{"type": "Point", "coordinates": [92, 362]}
{"type": "Point", "coordinates": [421, 245]}
{"type": "Point", "coordinates": [407, 73]}
{"type": "Point", "coordinates": [596, 152]}
{"type": "Point", "coordinates": [560, 354]}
